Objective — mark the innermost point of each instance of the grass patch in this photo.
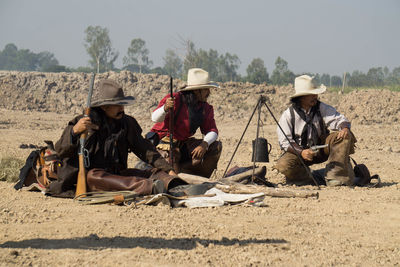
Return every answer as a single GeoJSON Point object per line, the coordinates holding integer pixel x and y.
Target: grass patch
{"type": "Point", "coordinates": [9, 169]}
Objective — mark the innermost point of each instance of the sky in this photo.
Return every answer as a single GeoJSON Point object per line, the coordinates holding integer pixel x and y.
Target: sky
{"type": "Point", "coordinates": [317, 36]}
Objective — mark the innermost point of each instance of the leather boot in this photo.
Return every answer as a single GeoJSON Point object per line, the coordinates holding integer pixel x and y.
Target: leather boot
{"type": "Point", "coordinates": [338, 170]}
{"type": "Point", "coordinates": [169, 181]}
{"type": "Point", "coordinates": [100, 180]}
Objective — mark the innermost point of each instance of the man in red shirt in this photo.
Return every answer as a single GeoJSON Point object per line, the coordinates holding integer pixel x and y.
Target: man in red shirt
{"type": "Point", "coordinates": [191, 111]}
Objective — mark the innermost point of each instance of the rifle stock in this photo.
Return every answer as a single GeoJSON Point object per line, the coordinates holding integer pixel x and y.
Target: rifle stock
{"type": "Point", "coordinates": [81, 180]}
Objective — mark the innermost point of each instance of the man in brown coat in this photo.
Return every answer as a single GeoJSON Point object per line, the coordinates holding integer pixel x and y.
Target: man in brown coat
{"type": "Point", "coordinates": [111, 136]}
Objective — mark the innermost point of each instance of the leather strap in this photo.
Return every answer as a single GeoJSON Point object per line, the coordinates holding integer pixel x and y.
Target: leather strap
{"type": "Point", "coordinates": [294, 147]}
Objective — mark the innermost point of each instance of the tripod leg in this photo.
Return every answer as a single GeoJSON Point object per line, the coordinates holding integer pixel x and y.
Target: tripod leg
{"type": "Point", "coordinates": [240, 140]}
{"type": "Point", "coordinates": [257, 134]}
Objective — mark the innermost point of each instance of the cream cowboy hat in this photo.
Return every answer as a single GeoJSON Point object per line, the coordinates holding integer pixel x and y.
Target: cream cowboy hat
{"type": "Point", "coordinates": [111, 93]}
{"type": "Point", "coordinates": [198, 79]}
{"type": "Point", "coordinates": [303, 85]}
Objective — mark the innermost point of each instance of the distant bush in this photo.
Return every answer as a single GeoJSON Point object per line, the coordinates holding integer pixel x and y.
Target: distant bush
{"type": "Point", "coordinates": [9, 169]}
{"type": "Point", "coordinates": [348, 89]}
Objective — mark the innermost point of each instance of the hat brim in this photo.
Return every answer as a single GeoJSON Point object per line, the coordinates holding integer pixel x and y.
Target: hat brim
{"type": "Point", "coordinates": [200, 86]}
{"type": "Point", "coordinates": [126, 101]}
{"type": "Point", "coordinates": [311, 92]}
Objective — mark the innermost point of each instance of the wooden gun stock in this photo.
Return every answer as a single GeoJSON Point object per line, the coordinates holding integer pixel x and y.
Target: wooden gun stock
{"type": "Point", "coordinates": [81, 181]}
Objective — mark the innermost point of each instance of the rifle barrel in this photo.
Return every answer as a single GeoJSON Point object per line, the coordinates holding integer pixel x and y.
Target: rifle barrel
{"type": "Point", "coordinates": [89, 98]}
{"type": "Point", "coordinates": [171, 126]}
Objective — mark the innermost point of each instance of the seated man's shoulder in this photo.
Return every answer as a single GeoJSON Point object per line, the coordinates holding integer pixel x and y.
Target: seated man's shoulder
{"type": "Point", "coordinates": [132, 122]}
{"type": "Point", "coordinates": [327, 107]}
{"type": "Point", "coordinates": [131, 119]}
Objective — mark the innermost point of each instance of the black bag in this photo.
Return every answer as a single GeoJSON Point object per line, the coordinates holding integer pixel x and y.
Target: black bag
{"type": "Point", "coordinates": [363, 176]}
{"type": "Point", "coordinates": [153, 138]}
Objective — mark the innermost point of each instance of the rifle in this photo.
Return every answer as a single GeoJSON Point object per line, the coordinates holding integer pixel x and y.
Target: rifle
{"type": "Point", "coordinates": [83, 153]}
{"type": "Point", "coordinates": [171, 127]}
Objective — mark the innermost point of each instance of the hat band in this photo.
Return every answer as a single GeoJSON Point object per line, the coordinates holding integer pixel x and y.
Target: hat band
{"type": "Point", "coordinates": [200, 84]}
{"type": "Point", "coordinates": [111, 99]}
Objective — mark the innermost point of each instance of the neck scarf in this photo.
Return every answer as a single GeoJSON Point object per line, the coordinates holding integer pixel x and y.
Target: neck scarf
{"type": "Point", "coordinates": [195, 110]}
{"type": "Point", "coordinates": [307, 139]}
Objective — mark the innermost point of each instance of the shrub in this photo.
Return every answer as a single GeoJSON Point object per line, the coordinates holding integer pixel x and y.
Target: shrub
{"type": "Point", "coordinates": [9, 169]}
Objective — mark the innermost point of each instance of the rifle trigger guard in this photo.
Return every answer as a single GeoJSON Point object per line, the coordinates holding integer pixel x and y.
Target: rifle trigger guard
{"type": "Point", "coordinates": [86, 159]}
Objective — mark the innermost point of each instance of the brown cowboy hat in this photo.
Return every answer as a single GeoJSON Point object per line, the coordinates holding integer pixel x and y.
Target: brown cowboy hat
{"type": "Point", "coordinates": [111, 93]}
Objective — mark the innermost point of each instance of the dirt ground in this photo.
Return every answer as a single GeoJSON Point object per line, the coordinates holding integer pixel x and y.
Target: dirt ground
{"type": "Point", "coordinates": [345, 226]}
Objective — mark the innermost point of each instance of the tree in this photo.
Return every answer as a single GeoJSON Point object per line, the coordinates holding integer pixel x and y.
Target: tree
{"type": "Point", "coordinates": [8, 57]}
{"type": "Point", "coordinates": [394, 77]}
{"type": "Point", "coordinates": [98, 46]}
{"type": "Point", "coordinates": [172, 64]}
{"type": "Point", "coordinates": [375, 76]}
{"type": "Point", "coordinates": [190, 58]}
{"type": "Point", "coordinates": [138, 55]}
{"type": "Point", "coordinates": [25, 60]}
{"type": "Point", "coordinates": [281, 74]}
{"type": "Point", "coordinates": [227, 67]}
{"type": "Point", "coordinates": [46, 61]}
{"type": "Point", "coordinates": [257, 72]}
{"type": "Point", "coordinates": [220, 67]}
{"type": "Point", "coordinates": [357, 78]}
{"type": "Point", "coordinates": [336, 81]}
{"type": "Point", "coordinates": [55, 68]}
{"type": "Point", "coordinates": [158, 70]}
{"type": "Point", "coordinates": [326, 79]}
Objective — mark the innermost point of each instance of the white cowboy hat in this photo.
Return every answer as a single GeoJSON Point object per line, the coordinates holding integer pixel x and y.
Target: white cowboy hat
{"type": "Point", "coordinates": [198, 79]}
{"type": "Point", "coordinates": [303, 85]}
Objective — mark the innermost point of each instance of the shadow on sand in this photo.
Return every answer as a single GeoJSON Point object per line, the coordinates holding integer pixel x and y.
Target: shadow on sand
{"type": "Point", "coordinates": [94, 242]}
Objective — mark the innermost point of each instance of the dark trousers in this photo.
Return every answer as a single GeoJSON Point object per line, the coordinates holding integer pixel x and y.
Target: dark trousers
{"type": "Point", "coordinates": [183, 161]}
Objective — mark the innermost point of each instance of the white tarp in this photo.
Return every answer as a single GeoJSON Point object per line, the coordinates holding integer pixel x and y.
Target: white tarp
{"type": "Point", "coordinates": [220, 199]}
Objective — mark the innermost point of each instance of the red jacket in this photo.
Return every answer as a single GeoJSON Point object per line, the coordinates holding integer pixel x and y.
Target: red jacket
{"type": "Point", "coordinates": [182, 125]}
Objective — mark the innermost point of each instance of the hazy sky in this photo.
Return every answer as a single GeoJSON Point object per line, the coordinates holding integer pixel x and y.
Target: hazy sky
{"type": "Point", "coordinates": [311, 35]}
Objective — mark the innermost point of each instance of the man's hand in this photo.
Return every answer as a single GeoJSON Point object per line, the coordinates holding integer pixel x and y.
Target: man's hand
{"type": "Point", "coordinates": [172, 173]}
{"type": "Point", "coordinates": [169, 103]}
{"type": "Point", "coordinates": [343, 133]}
{"type": "Point", "coordinates": [83, 125]}
{"type": "Point", "coordinates": [307, 154]}
{"type": "Point", "coordinates": [200, 150]}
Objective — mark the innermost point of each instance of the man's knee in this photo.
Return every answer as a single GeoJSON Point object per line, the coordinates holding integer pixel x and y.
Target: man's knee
{"type": "Point", "coordinates": [215, 149]}
{"type": "Point", "coordinates": [290, 166]}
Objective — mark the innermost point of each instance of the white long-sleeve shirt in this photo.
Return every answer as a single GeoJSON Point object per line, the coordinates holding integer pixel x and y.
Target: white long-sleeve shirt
{"type": "Point", "coordinates": [159, 114]}
{"type": "Point", "coordinates": [330, 116]}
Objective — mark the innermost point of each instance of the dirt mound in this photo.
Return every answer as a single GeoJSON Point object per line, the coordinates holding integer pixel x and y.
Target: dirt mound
{"type": "Point", "coordinates": [67, 92]}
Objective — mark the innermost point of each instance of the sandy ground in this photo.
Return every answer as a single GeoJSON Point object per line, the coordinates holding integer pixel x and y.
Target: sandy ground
{"type": "Point", "coordinates": [345, 226]}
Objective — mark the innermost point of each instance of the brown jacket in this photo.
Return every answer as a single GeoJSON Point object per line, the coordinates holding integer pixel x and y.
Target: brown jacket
{"type": "Point", "coordinates": [108, 149]}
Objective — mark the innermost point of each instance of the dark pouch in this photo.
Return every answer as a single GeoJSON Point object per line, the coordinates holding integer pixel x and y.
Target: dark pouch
{"type": "Point", "coordinates": [362, 175]}
{"type": "Point", "coordinates": [153, 138]}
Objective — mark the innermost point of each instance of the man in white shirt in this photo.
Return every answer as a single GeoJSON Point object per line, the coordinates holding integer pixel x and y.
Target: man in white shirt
{"type": "Point", "coordinates": [306, 123]}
